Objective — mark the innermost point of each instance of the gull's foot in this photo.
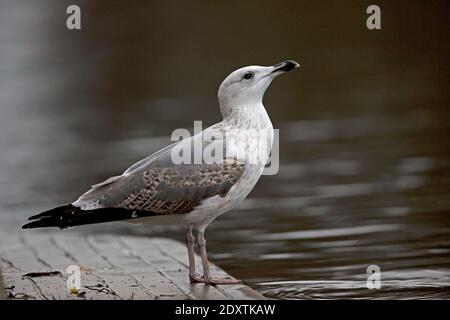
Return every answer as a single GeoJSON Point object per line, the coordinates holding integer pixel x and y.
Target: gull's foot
{"type": "Point", "coordinates": [223, 280]}
{"type": "Point", "coordinates": [196, 278]}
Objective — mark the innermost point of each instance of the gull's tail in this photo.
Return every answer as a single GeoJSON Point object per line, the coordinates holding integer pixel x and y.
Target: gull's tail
{"type": "Point", "coordinates": [67, 216]}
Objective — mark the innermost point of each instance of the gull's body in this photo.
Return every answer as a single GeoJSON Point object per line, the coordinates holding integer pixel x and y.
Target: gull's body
{"type": "Point", "coordinates": [160, 190]}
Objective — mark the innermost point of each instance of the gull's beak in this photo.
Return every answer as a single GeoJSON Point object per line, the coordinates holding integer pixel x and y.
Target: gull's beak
{"type": "Point", "coordinates": [284, 67]}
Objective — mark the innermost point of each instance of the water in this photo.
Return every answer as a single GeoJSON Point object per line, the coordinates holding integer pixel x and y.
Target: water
{"type": "Point", "coordinates": [364, 125]}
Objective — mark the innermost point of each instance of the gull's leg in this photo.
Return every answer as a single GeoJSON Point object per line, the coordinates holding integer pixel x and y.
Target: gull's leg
{"type": "Point", "coordinates": [190, 241]}
{"type": "Point", "coordinates": [207, 278]}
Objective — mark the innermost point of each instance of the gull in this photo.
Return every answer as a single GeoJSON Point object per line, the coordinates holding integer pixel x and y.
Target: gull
{"type": "Point", "coordinates": [161, 189]}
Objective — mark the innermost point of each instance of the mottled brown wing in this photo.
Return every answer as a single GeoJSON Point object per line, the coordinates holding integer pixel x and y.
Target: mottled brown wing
{"type": "Point", "coordinates": [167, 190]}
{"type": "Point", "coordinates": [159, 185]}
{"type": "Point", "coordinates": [178, 190]}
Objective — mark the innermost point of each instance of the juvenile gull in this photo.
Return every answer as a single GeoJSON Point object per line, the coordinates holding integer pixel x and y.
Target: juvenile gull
{"type": "Point", "coordinates": [160, 190]}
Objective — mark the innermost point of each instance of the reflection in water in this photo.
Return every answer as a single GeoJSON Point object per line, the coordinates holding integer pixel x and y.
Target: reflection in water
{"type": "Point", "coordinates": [365, 162]}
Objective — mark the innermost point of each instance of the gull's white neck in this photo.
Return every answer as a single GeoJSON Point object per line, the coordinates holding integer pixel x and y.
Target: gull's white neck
{"type": "Point", "coordinates": [252, 116]}
{"type": "Point", "coordinates": [249, 133]}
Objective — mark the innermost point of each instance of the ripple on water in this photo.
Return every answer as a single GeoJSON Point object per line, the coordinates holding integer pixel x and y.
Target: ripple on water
{"type": "Point", "coordinates": [408, 284]}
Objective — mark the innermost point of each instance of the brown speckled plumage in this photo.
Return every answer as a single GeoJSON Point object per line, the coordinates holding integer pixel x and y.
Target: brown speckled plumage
{"type": "Point", "coordinates": [171, 191]}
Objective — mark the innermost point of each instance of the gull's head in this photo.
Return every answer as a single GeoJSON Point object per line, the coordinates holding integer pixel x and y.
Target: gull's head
{"type": "Point", "coordinates": [246, 86]}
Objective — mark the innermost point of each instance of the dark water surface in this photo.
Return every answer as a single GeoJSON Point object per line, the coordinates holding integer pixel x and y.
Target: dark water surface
{"type": "Point", "coordinates": [364, 130]}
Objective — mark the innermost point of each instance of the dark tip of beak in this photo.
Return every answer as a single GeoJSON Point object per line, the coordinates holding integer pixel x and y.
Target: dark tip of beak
{"type": "Point", "coordinates": [286, 66]}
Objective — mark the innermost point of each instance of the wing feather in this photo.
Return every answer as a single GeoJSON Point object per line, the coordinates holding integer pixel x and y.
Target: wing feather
{"type": "Point", "coordinates": [157, 184]}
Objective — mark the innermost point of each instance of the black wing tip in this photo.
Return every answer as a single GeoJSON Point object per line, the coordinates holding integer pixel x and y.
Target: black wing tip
{"type": "Point", "coordinates": [68, 216]}
{"type": "Point", "coordinates": [43, 223]}
{"type": "Point", "coordinates": [27, 226]}
{"type": "Point", "coordinates": [52, 212]}
{"type": "Point", "coordinates": [35, 224]}
{"type": "Point", "coordinates": [31, 225]}
{"type": "Point", "coordinates": [49, 218]}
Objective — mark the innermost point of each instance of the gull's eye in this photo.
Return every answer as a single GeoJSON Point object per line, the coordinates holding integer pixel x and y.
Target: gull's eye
{"type": "Point", "coordinates": [248, 75]}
